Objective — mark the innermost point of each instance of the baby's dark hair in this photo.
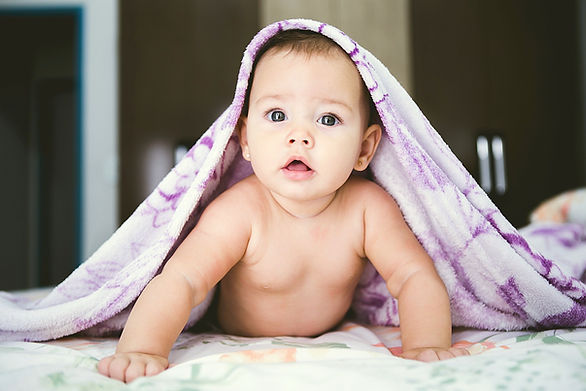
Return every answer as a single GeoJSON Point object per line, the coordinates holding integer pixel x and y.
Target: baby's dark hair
{"type": "Point", "coordinates": [308, 43]}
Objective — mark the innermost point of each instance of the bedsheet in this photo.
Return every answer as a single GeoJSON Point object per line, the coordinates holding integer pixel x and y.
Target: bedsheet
{"type": "Point", "coordinates": [352, 357]}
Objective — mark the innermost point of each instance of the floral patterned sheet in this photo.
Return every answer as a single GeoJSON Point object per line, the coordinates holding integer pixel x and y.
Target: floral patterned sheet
{"type": "Point", "coordinates": [353, 357]}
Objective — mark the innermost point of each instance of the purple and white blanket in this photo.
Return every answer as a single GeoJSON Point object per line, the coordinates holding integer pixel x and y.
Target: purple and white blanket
{"type": "Point", "coordinates": [494, 278]}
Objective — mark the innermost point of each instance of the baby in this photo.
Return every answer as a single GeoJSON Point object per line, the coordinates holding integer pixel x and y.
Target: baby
{"type": "Point", "coordinates": [288, 244]}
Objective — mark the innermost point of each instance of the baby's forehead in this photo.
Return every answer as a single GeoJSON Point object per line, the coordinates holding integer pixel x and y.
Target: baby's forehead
{"type": "Point", "coordinates": [281, 59]}
{"type": "Point", "coordinates": [336, 62]}
{"type": "Point", "coordinates": [334, 53]}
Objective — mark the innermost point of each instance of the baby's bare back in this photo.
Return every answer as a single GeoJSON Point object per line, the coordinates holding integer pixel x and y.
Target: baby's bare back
{"type": "Point", "coordinates": [298, 275]}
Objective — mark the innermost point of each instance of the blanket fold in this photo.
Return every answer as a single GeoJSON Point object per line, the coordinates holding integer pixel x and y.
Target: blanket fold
{"type": "Point", "coordinates": [495, 279]}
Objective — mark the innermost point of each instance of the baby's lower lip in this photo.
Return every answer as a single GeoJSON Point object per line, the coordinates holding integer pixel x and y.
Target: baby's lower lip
{"type": "Point", "coordinates": [297, 175]}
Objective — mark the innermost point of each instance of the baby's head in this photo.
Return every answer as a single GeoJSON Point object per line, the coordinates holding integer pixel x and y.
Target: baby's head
{"type": "Point", "coordinates": [308, 119]}
{"type": "Point", "coordinates": [308, 43]}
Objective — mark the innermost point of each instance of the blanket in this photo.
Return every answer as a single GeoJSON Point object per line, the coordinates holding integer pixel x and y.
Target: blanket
{"type": "Point", "coordinates": [351, 357]}
{"type": "Point", "coordinates": [494, 278]}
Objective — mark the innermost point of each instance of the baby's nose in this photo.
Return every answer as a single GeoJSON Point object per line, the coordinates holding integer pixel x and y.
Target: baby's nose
{"type": "Point", "coordinates": [302, 138]}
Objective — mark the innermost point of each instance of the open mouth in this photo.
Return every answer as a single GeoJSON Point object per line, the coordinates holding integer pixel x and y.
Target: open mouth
{"type": "Point", "coordinates": [297, 165]}
{"type": "Point", "coordinates": [297, 169]}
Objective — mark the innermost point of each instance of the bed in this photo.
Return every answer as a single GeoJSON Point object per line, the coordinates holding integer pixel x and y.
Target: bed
{"type": "Point", "coordinates": [351, 357]}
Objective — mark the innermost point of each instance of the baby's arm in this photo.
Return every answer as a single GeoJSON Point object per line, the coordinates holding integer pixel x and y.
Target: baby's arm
{"type": "Point", "coordinates": [424, 306]}
{"type": "Point", "coordinates": [163, 308]}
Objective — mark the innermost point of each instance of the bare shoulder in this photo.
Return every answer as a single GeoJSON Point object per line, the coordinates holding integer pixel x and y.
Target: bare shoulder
{"type": "Point", "coordinates": [369, 195]}
{"type": "Point", "coordinates": [381, 214]}
{"type": "Point", "coordinates": [243, 198]}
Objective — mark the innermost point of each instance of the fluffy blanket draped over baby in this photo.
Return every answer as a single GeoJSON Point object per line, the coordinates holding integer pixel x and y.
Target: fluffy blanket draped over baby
{"type": "Point", "coordinates": [494, 278]}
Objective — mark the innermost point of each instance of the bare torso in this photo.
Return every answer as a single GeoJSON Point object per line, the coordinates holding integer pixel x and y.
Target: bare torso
{"type": "Point", "coordinates": [298, 275]}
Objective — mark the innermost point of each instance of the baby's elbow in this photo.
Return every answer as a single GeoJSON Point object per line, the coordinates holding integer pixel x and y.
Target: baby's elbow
{"type": "Point", "coordinates": [417, 277]}
{"type": "Point", "coordinates": [193, 287]}
{"type": "Point", "coordinates": [396, 284]}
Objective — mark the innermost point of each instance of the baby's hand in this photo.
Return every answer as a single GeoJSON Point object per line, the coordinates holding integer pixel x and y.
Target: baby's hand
{"type": "Point", "coordinates": [434, 354]}
{"type": "Point", "coordinates": [128, 366]}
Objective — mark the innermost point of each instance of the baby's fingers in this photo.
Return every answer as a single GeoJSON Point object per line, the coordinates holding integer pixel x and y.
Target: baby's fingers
{"type": "Point", "coordinates": [116, 368]}
{"type": "Point", "coordinates": [434, 354]}
{"type": "Point", "coordinates": [104, 365]}
{"type": "Point", "coordinates": [427, 355]}
{"type": "Point", "coordinates": [127, 367]}
{"type": "Point", "coordinates": [441, 354]}
{"type": "Point", "coordinates": [458, 352]}
{"type": "Point", "coordinates": [139, 368]}
{"type": "Point", "coordinates": [136, 369]}
{"type": "Point", "coordinates": [444, 354]}
{"type": "Point", "coordinates": [153, 368]}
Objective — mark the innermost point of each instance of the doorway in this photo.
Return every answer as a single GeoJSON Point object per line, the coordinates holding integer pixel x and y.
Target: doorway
{"type": "Point", "coordinates": [40, 138]}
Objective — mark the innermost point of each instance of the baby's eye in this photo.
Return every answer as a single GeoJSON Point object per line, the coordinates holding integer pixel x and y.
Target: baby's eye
{"type": "Point", "coordinates": [328, 120]}
{"type": "Point", "coordinates": [277, 116]}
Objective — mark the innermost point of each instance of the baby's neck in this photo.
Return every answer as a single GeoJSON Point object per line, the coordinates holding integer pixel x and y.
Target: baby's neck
{"type": "Point", "coordinates": [303, 209]}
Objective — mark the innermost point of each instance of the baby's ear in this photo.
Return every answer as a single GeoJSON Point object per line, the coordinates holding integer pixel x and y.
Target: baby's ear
{"type": "Point", "coordinates": [370, 141]}
{"type": "Point", "coordinates": [241, 131]}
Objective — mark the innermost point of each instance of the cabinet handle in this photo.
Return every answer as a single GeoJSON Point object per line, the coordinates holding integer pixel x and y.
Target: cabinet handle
{"type": "Point", "coordinates": [483, 152]}
{"type": "Point", "coordinates": [498, 154]}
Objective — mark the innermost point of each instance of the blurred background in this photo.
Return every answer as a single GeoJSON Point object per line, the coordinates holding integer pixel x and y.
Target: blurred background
{"type": "Point", "coordinates": [99, 97]}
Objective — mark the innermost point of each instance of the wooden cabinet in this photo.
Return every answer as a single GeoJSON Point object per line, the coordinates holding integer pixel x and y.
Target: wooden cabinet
{"type": "Point", "coordinates": [178, 66]}
{"type": "Point", "coordinates": [509, 69]}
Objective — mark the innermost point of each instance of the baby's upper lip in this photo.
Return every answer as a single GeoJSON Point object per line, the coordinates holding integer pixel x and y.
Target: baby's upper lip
{"type": "Point", "coordinates": [299, 159]}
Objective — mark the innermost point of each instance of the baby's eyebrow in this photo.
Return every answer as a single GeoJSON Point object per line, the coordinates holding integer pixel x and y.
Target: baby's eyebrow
{"type": "Point", "coordinates": [269, 97]}
{"type": "Point", "coordinates": [337, 102]}
{"type": "Point", "coordinates": [330, 101]}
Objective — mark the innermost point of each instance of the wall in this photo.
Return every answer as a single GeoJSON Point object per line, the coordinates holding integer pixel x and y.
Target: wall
{"type": "Point", "coordinates": [381, 26]}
